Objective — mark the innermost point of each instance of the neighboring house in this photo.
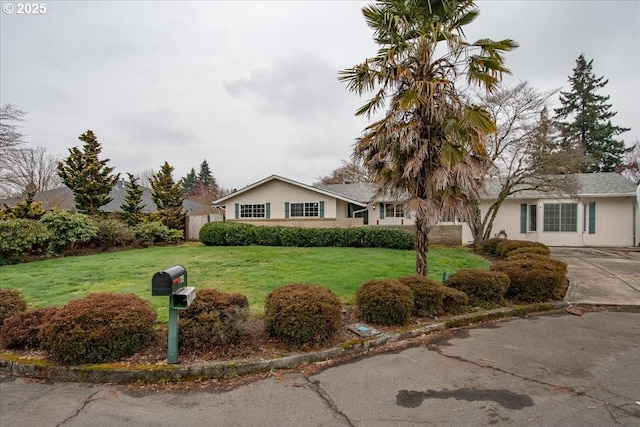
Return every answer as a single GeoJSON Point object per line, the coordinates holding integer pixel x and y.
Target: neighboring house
{"type": "Point", "coordinates": [602, 212]}
{"type": "Point", "coordinates": [62, 198]}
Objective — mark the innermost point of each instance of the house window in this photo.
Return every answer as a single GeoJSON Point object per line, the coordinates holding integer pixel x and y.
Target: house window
{"type": "Point", "coordinates": [252, 211]}
{"type": "Point", "coordinates": [305, 209]}
{"type": "Point", "coordinates": [560, 217]}
{"type": "Point", "coordinates": [394, 211]}
{"type": "Point", "coordinates": [533, 218]}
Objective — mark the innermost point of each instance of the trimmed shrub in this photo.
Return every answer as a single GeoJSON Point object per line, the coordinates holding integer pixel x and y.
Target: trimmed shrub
{"type": "Point", "coordinates": [540, 250]}
{"type": "Point", "coordinates": [561, 265]}
{"type": "Point", "coordinates": [113, 233]}
{"type": "Point", "coordinates": [489, 246]}
{"type": "Point", "coordinates": [303, 315]}
{"type": "Point", "coordinates": [532, 280]}
{"type": "Point", "coordinates": [427, 295]}
{"type": "Point", "coordinates": [503, 249]}
{"type": "Point", "coordinates": [484, 288]}
{"type": "Point", "coordinates": [226, 234]}
{"type": "Point", "coordinates": [101, 327]}
{"type": "Point", "coordinates": [385, 302]}
{"type": "Point", "coordinates": [213, 319]}
{"type": "Point", "coordinates": [21, 236]}
{"type": "Point", "coordinates": [68, 229]}
{"type": "Point", "coordinates": [21, 330]}
{"type": "Point", "coordinates": [239, 234]}
{"type": "Point", "coordinates": [454, 301]}
{"type": "Point", "coordinates": [152, 232]}
{"type": "Point", "coordinates": [11, 301]}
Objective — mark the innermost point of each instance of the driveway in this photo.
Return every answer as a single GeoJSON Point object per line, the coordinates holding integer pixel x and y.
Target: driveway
{"type": "Point", "coordinates": [607, 276]}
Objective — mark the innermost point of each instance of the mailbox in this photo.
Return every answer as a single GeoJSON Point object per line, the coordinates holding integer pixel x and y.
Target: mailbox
{"type": "Point", "coordinates": [183, 298]}
{"type": "Point", "coordinates": [169, 281]}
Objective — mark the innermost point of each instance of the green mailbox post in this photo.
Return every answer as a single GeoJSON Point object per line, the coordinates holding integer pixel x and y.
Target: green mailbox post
{"type": "Point", "coordinates": [172, 282]}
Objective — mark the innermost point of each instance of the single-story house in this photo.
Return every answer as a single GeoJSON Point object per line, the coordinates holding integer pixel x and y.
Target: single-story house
{"type": "Point", "coordinates": [601, 211]}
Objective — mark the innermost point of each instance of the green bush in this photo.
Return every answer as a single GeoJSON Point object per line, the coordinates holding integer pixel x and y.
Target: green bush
{"type": "Point", "coordinates": [503, 249]}
{"type": "Point", "coordinates": [484, 288]}
{"type": "Point", "coordinates": [152, 232]}
{"type": "Point", "coordinates": [561, 265]}
{"type": "Point", "coordinates": [489, 246]}
{"type": "Point", "coordinates": [114, 233]}
{"type": "Point", "coordinates": [226, 234]}
{"type": "Point", "coordinates": [385, 302]}
{"type": "Point", "coordinates": [303, 315]}
{"type": "Point", "coordinates": [21, 330]}
{"type": "Point", "coordinates": [68, 229]}
{"type": "Point", "coordinates": [454, 301]}
{"type": "Point", "coordinates": [214, 319]}
{"type": "Point", "coordinates": [21, 236]}
{"type": "Point", "coordinates": [427, 295]}
{"type": "Point", "coordinates": [11, 301]}
{"type": "Point", "coordinates": [539, 250]}
{"type": "Point", "coordinates": [238, 234]}
{"type": "Point", "coordinates": [101, 327]}
{"type": "Point", "coordinates": [532, 280]}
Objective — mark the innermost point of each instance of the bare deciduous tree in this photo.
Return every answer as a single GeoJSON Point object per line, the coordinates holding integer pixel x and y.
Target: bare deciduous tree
{"type": "Point", "coordinates": [31, 169]}
{"type": "Point", "coordinates": [11, 139]}
{"type": "Point", "coordinates": [350, 171]}
{"type": "Point", "coordinates": [523, 151]}
{"type": "Point", "coordinates": [631, 165]}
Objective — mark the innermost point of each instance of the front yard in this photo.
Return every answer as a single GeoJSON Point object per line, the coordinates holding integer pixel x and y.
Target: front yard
{"type": "Point", "coordinates": [253, 271]}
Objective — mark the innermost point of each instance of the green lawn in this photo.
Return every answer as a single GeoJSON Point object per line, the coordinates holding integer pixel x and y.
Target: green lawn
{"type": "Point", "coordinates": [251, 270]}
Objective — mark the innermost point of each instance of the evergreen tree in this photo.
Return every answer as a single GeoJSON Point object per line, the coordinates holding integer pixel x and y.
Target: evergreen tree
{"type": "Point", "coordinates": [189, 182]}
{"type": "Point", "coordinates": [168, 197]}
{"type": "Point", "coordinates": [205, 177]}
{"type": "Point", "coordinates": [132, 207]}
{"type": "Point", "coordinates": [585, 120]}
{"type": "Point", "coordinates": [87, 176]}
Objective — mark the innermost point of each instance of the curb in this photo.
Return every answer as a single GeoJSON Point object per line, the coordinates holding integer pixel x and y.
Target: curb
{"type": "Point", "coordinates": [13, 365]}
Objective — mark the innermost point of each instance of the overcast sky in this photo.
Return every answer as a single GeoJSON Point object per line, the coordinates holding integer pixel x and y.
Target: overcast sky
{"type": "Point", "coordinates": [251, 86]}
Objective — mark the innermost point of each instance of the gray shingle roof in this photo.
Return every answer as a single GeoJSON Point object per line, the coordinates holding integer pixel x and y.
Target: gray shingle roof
{"type": "Point", "coordinates": [603, 184]}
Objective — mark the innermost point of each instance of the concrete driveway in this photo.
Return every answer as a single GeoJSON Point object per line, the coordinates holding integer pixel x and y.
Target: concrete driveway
{"type": "Point", "coordinates": [607, 276]}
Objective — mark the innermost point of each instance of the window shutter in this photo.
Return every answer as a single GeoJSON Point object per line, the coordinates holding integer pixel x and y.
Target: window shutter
{"type": "Point", "coordinates": [237, 210]}
{"type": "Point", "coordinates": [321, 209]}
{"type": "Point", "coordinates": [592, 218]}
{"type": "Point", "coordinates": [381, 210]}
{"type": "Point", "coordinates": [286, 209]}
{"type": "Point", "coordinates": [523, 218]}
{"type": "Point", "coordinates": [267, 210]}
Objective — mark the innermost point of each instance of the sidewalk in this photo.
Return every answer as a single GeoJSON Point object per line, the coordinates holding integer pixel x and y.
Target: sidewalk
{"type": "Point", "coordinates": [603, 276]}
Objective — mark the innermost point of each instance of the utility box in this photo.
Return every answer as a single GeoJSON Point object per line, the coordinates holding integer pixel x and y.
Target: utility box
{"type": "Point", "coordinates": [182, 299]}
{"type": "Point", "coordinates": [169, 281]}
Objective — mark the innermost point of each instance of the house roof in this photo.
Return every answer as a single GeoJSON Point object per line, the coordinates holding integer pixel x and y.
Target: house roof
{"type": "Point", "coordinates": [62, 198]}
{"type": "Point", "coordinates": [602, 184]}
{"type": "Point", "coordinates": [345, 196]}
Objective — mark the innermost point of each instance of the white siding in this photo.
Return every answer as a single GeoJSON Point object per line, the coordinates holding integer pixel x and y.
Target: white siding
{"type": "Point", "coordinates": [614, 222]}
{"type": "Point", "coordinates": [277, 193]}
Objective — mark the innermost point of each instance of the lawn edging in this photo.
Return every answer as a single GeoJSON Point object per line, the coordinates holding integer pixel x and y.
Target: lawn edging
{"type": "Point", "coordinates": [115, 373]}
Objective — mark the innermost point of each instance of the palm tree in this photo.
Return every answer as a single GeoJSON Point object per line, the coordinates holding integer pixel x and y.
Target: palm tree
{"type": "Point", "coordinates": [429, 146]}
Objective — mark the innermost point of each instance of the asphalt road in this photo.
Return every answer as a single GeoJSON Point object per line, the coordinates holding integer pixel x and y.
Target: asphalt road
{"type": "Point", "coordinates": [555, 370]}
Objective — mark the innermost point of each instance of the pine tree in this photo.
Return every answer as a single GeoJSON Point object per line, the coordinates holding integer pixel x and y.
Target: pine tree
{"type": "Point", "coordinates": [189, 182]}
{"type": "Point", "coordinates": [87, 176]}
{"type": "Point", "coordinates": [585, 120]}
{"type": "Point", "coordinates": [207, 185]}
{"type": "Point", "coordinates": [168, 197]}
{"type": "Point", "coordinates": [132, 207]}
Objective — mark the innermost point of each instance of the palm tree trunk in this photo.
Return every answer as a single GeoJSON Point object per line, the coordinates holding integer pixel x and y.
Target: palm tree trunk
{"type": "Point", "coordinates": [422, 246]}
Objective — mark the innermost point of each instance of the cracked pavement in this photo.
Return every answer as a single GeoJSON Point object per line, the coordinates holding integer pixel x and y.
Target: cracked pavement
{"type": "Point", "coordinates": [554, 370]}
